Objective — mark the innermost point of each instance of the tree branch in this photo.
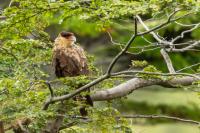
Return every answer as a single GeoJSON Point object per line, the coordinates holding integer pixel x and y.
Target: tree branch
{"type": "Point", "coordinates": [161, 117]}
{"type": "Point", "coordinates": [185, 48]}
{"type": "Point", "coordinates": [184, 32]}
{"type": "Point", "coordinates": [167, 61]}
{"type": "Point", "coordinates": [50, 89]}
{"type": "Point", "coordinates": [124, 50]}
{"type": "Point", "coordinates": [160, 41]}
{"type": "Point", "coordinates": [85, 87]}
{"type": "Point", "coordinates": [169, 20]}
{"type": "Point", "coordinates": [68, 96]}
{"type": "Point", "coordinates": [188, 67]}
{"type": "Point", "coordinates": [136, 83]}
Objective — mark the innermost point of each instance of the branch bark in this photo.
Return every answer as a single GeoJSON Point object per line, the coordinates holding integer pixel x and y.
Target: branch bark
{"type": "Point", "coordinates": [1, 127]}
{"type": "Point", "coordinates": [162, 117]}
{"type": "Point", "coordinates": [167, 61]}
{"type": "Point", "coordinates": [136, 83]}
{"type": "Point", "coordinates": [53, 126]}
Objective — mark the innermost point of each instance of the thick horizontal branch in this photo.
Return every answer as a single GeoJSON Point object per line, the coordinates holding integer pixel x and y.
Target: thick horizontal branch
{"type": "Point", "coordinates": [136, 83]}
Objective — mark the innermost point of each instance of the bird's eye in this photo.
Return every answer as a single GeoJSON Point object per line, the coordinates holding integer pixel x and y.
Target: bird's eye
{"type": "Point", "coordinates": [63, 34]}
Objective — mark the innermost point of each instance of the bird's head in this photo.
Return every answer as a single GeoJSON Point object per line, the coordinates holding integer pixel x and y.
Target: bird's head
{"type": "Point", "coordinates": [68, 37]}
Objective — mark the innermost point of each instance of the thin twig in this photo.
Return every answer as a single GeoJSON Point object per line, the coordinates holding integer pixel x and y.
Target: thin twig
{"type": "Point", "coordinates": [163, 52]}
{"type": "Point", "coordinates": [9, 53]}
{"type": "Point", "coordinates": [50, 89]}
{"type": "Point", "coordinates": [142, 51]}
{"type": "Point", "coordinates": [185, 25]}
{"type": "Point", "coordinates": [161, 117]}
{"type": "Point", "coordinates": [123, 51]}
{"type": "Point", "coordinates": [184, 32]}
{"type": "Point", "coordinates": [139, 116]}
{"type": "Point", "coordinates": [10, 4]}
{"type": "Point", "coordinates": [160, 41]}
{"type": "Point", "coordinates": [188, 48]}
{"type": "Point", "coordinates": [156, 73]}
{"type": "Point", "coordinates": [188, 67]}
{"type": "Point", "coordinates": [169, 20]}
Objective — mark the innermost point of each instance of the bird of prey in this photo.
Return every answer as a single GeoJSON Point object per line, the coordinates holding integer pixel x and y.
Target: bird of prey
{"type": "Point", "coordinates": [69, 60]}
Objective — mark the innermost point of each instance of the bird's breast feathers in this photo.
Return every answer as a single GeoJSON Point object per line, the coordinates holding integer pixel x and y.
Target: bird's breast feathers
{"type": "Point", "coordinates": [71, 60]}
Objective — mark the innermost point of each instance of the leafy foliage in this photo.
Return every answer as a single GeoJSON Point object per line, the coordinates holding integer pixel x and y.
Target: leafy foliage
{"type": "Point", "coordinates": [25, 54]}
{"type": "Point", "coordinates": [152, 70]}
{"type": "Point", "coordinates": [136, 63]}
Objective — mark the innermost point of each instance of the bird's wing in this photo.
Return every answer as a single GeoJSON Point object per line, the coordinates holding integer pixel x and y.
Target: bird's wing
{"type": "Point", "coordinates": [65, 62]}
{"type": "Point", "coordinates": [83, 60]}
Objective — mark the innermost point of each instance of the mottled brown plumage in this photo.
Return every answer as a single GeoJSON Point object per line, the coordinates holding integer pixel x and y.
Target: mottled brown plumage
{"type": "Point", "coordinates": [69, 60]}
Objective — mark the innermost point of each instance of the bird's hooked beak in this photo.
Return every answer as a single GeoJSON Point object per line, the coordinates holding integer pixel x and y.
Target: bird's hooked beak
{"type": "Point", "coordinates": [73, 38]}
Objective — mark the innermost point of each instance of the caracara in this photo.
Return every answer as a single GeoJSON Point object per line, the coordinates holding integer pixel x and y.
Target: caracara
{"type": "Point", "coordinates": [69, 60]}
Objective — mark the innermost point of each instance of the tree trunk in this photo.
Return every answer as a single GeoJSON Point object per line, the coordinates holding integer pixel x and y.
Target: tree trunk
{"type": "Point", "coordinates": [53, 126]}
{"type": "Point", "coordinates": [1, 127]}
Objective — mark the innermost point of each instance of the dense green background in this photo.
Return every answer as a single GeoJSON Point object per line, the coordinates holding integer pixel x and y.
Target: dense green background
{"type": "Point", "coordinates": [91, 35]}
